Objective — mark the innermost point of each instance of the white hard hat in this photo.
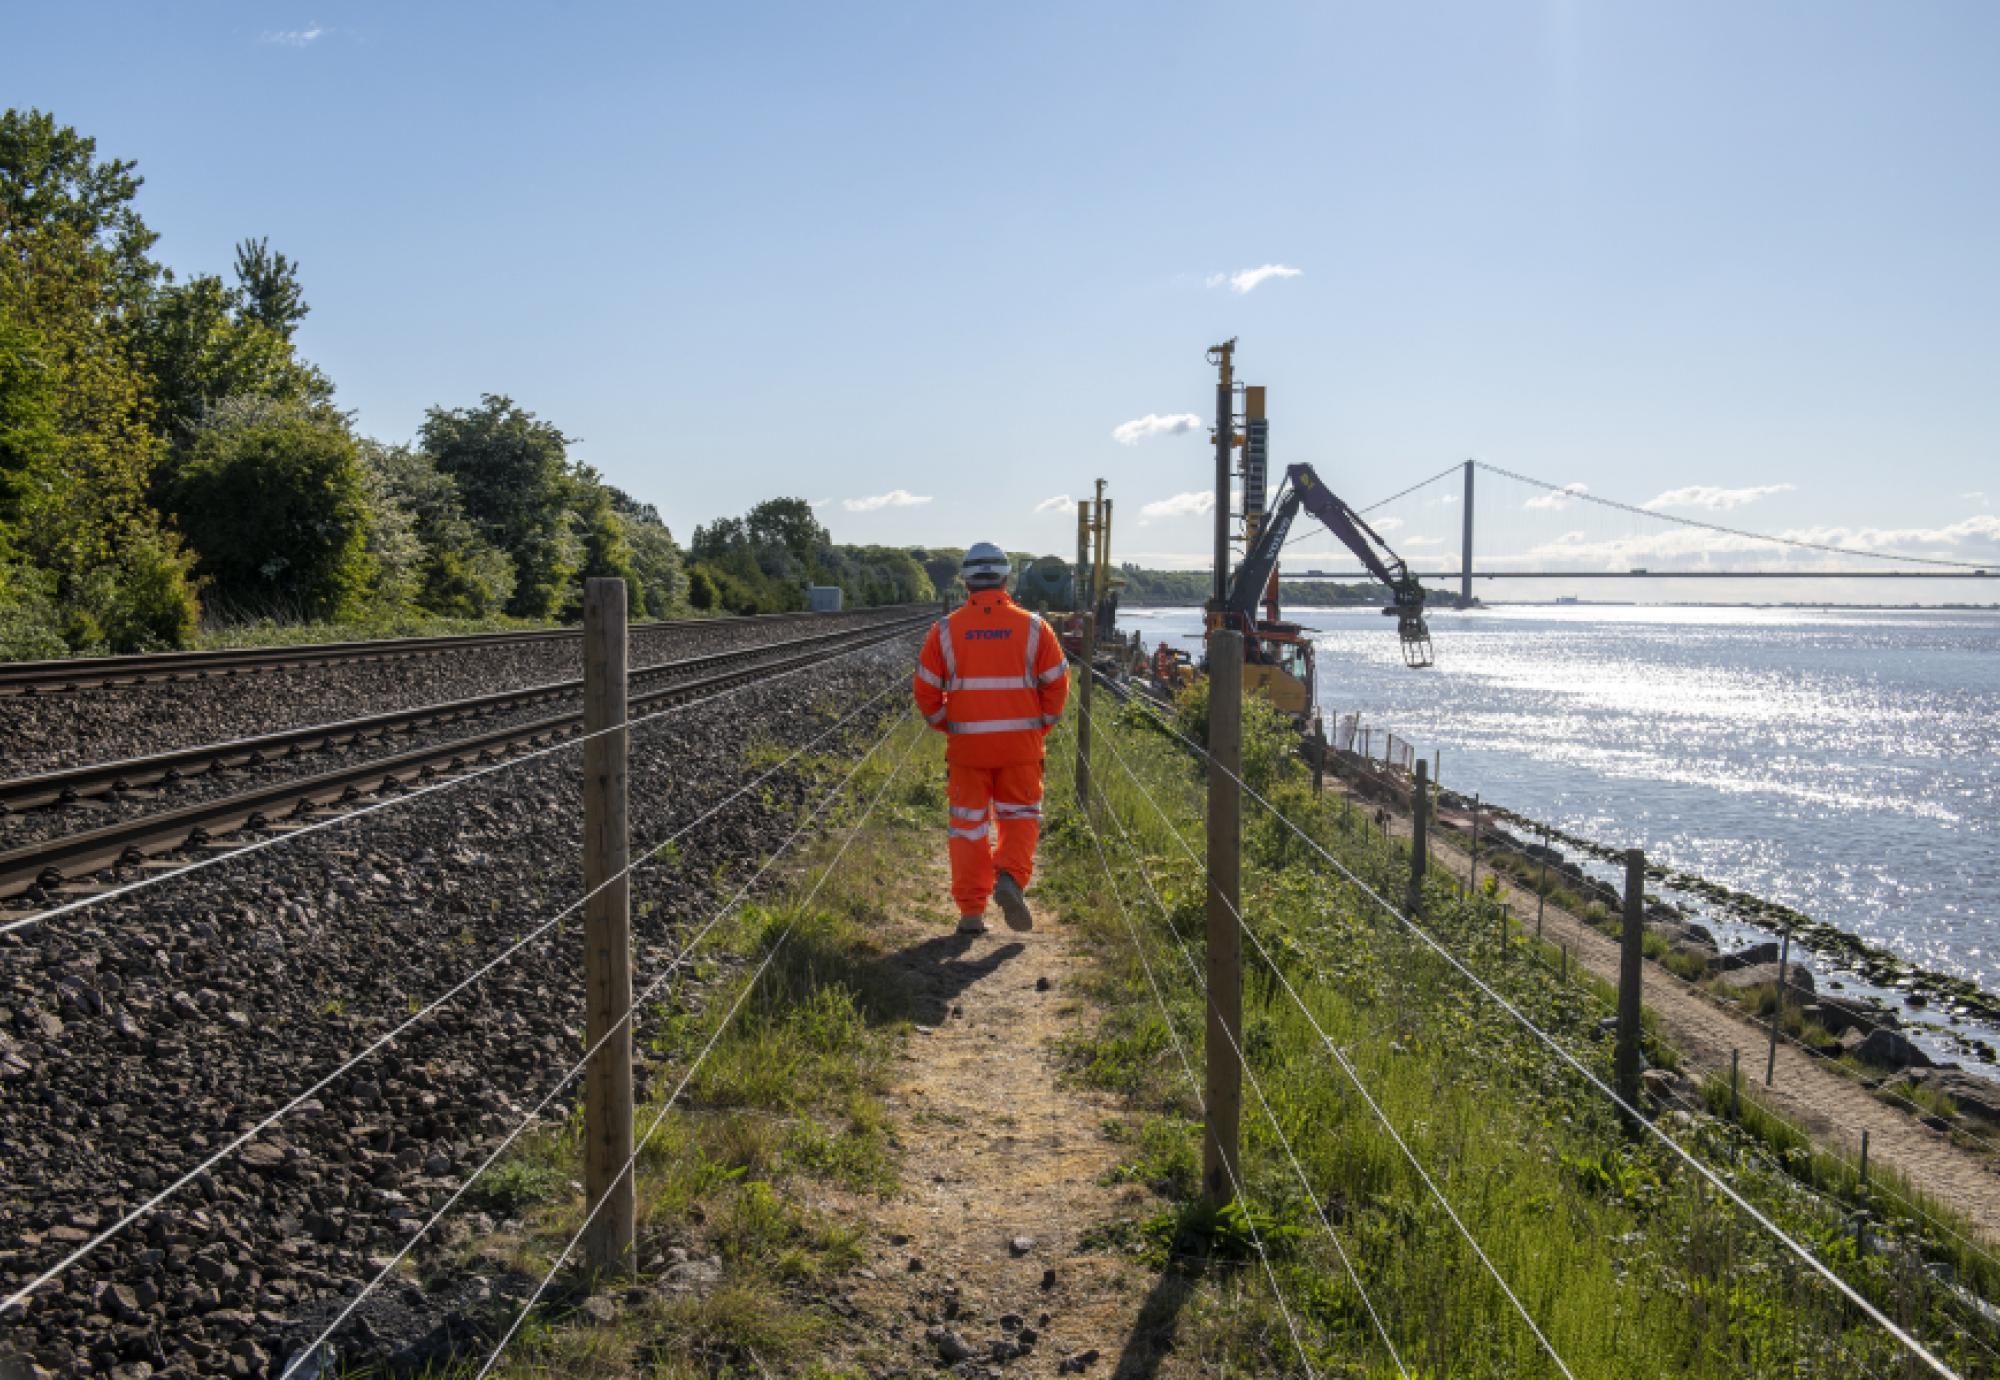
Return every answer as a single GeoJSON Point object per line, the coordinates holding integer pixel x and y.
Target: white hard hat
{"type": "Point", "coordinates": [985, 566]}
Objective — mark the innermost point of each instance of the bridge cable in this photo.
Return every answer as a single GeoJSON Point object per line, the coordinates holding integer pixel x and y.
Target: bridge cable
{"type": "Point", "coordinates": [1798, 542]}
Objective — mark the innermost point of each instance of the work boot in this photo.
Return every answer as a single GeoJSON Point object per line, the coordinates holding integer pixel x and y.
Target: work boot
{"type": "Point", "coordinates": [1013, 905]}
{"type": "Point", "coordinates": [973, 924]}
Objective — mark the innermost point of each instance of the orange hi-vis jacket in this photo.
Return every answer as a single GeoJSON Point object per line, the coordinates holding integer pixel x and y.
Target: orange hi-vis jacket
{"type": "Point", "coordinates": [992, 675]}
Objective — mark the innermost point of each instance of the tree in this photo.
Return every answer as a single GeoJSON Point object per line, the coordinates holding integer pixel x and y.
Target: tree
{"type": "Point", "coordinates": [202, 344]}
{"type": "Point", "coordinates": [274, 501]}
{"type": "Point", "coordinates": [656, 556]}
{"type": "Point", "coordinates": [514, 478]}
{"type": "Point", "coordinates": [607, 553]}
{"type": "Point", "coordinates": [787, 523]}
{"type": "Point", "coordinates": [77, 451]}
{"type": "Point", "coordinates": [50, 177]}
{"type": "Point", "coordinates": [269, 283]}
{"type": "Point", "coordinates": [458, 573]}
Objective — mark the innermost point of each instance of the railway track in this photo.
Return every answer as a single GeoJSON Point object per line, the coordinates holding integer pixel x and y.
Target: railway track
{"type": "Point", "coordinates": [51, 863]}
{"type": "Point", "coordinates": [85, 673]}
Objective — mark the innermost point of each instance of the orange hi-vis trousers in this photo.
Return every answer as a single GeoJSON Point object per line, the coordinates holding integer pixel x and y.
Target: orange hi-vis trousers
{"type": "Point", "coordinates": [984, 801]}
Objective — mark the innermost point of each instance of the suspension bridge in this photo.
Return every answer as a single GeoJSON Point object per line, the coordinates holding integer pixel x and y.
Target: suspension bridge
{"type": "Point", "coordinates": [1516, 526]}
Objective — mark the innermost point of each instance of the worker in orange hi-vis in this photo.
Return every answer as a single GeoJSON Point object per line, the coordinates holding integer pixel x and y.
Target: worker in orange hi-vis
{"type": "Point", "coordinates": [992, 676]}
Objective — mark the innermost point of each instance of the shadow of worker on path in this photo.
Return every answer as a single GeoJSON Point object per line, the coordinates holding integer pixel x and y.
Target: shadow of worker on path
{"type": "Point", "coordinates": [938, 971]}
{"type": "Point", "coordinates": [1154, 1331]}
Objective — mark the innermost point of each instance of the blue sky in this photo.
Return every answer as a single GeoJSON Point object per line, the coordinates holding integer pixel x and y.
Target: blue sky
{"type": "Point", "coordinates": [945, 251]}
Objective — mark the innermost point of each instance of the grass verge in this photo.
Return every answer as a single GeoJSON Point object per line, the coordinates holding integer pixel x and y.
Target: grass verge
{"type": "Point", "coordinates": [1627, 1262]}
{"type": "Point", "coordinates": [735, 1265]}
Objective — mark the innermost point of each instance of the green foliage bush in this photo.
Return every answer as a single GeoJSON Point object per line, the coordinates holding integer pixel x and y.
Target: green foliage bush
{"type": "Point", "coordinates": [275, 503]}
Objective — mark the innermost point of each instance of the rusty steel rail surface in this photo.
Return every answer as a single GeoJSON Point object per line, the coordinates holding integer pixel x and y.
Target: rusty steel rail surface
{"type": "Point", "coordinates": [90, 672]}
{"type": "Point", "coordinates": [103, 778]}
{"type": "Point", "coordinates": [54, 861]}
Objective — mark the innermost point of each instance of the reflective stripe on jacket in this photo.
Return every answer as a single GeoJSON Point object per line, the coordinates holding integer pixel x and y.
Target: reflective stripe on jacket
{"type": "Point", "coordinates": [992, 675]}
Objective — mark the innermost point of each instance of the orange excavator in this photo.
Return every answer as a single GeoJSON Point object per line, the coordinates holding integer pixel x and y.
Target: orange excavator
{"type": "Point", "coordinates": [1278, 656]}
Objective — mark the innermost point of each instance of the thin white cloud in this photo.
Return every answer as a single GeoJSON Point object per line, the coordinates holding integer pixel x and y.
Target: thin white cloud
{"type": "Point", "coordinates": [1714, 498]}
{"type": "Point", "coordinates": [1191, 504]}
{"type": "Point", "coordinates": [295, 38]}
{"type": "Point", "coordinates": [818, 502]}
{"type": "Point", "coordinates": [1057, 503]}
{"type": "Point", "coordinates": [895, 498]}
{"type": "Point", "coordinates": [1421, 541]}
{"type": "Point", "coordinates": [1139, 428]}
{"type": "Point", "coordinates": [1976, 496]}
{"type": "Point", "coordinates": [1559, 499]}
{"type": "Point", "coordinates": [1387, 524]}
{"type": "Point", "coordinates": [1249, 279]}
{"type": "Point", "coordinates": [1685, 547]}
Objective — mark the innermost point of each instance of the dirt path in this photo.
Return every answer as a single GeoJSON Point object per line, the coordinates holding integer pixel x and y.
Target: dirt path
{"type": "Point", "coordinates": [1832, 1107]}
{"type": "Point", "coordinates": [981, 1255]}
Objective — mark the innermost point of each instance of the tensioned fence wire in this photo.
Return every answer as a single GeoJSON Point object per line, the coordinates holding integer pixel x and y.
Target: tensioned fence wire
{"type": "Point", "coordinates": [1256, 1084]}
{"type": "Point", "coordinates": [1195, 1088]}
{"type": "Point", "coordinates": [1818, 1267]}
{"type": "Point", "coordinates": [314, 1349]}
{"type": "Point", "coordinates": [1875, 1086]}
{"type": "Point", "coordinates": [736, 1005]}
{"type": "Point", "coordinates": [409, 794]}
{"type": "Point", "coordinates": [20, 1296]}
{"type": "Point", "coordinates": [1353, 1075]}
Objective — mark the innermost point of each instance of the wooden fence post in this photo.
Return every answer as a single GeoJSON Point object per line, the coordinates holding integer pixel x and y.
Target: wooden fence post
{"type": "Point", "coordinates": [1778, 1012]}
{"type": "Point", "coordinates": [1631, 955]}
{"type": "Point", "coordinates": [1420, 844]}
{"type": "Point", "coordinates": [1472, 887]}
{"type": "Point", "coordinates": [1542, 891]}
{"type": "Point", "coordinates": [1082, 773]}
{"type": "Point", "coordinates": [607, 935]}
{"type": "Point", "coordinates": [1319, 755]}
{"type": "Point", "coordinates": [1223, 1098]}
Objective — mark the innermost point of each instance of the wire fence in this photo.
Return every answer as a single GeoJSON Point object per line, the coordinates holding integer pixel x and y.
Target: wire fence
{"type": "Point", "coordinates": [1567, 1058]}
{"type": "Point", "coordinates": [659, 854]}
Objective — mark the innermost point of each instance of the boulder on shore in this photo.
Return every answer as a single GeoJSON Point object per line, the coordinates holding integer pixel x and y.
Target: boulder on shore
{"type": "Point", "coordinates": [1796, 976]}
{"type": "Point", "coordinates": [1884, 1049]}
{"type": "Point", "coordinates": [1751, 957]}
{"type": "Point", "coordinates": [1838, 1015]}
{"type": "Point", "coordinates": [1975, 1097]}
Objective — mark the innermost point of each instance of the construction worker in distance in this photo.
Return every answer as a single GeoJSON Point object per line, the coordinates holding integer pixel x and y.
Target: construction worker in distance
{"type": "Point", "coordinates": [993, 677]}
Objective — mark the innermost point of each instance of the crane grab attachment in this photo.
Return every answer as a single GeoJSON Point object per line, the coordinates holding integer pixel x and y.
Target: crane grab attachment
{"type": "Point", "coordinates": [1302, 488]}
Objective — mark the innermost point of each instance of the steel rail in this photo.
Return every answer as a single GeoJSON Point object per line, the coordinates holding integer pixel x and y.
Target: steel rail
{"type": "Point", "coordinates": [101, 778]}
{"type": "Point", "coordinates": [84, 673]}
{"type": "Point", "coordinates": [54, 861]}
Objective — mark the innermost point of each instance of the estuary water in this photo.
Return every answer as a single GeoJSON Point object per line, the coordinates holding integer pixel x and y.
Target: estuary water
{"type": "Point", "coordinates": [1844, 762]}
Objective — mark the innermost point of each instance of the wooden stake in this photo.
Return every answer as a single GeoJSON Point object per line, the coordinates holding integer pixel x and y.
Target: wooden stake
{"type": "Point", "coordinates": [1631, 955]}
{"type": "Point", "coordinates": [1778, 1012]}
{"type": "Point", "coordinates": [1082, 772]}
{"type": "Point", "coordinates": [1542, 891]}
{"type": "Point", "coordinates": [1224, 1081]}
{"type": "Point", "coordinates": [607, 935]}
{"type": "Point", "coordinates": [1420, 848]}
{"type": "Point", "coordinates": [1319, 756]}
{"type": "Point", "coordinates": [1735, 1086]}
{"type": "Point", "coordinates": [1473, 885]}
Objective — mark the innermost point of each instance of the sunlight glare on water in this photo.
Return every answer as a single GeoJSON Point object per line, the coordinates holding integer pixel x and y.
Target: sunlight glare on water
{"type": "Point", "coordinates": [1844, 762]}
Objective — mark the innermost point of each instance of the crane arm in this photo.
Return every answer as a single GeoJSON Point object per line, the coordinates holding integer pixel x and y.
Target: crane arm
{"type": "Point", "coordinates": [1302, 488]}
